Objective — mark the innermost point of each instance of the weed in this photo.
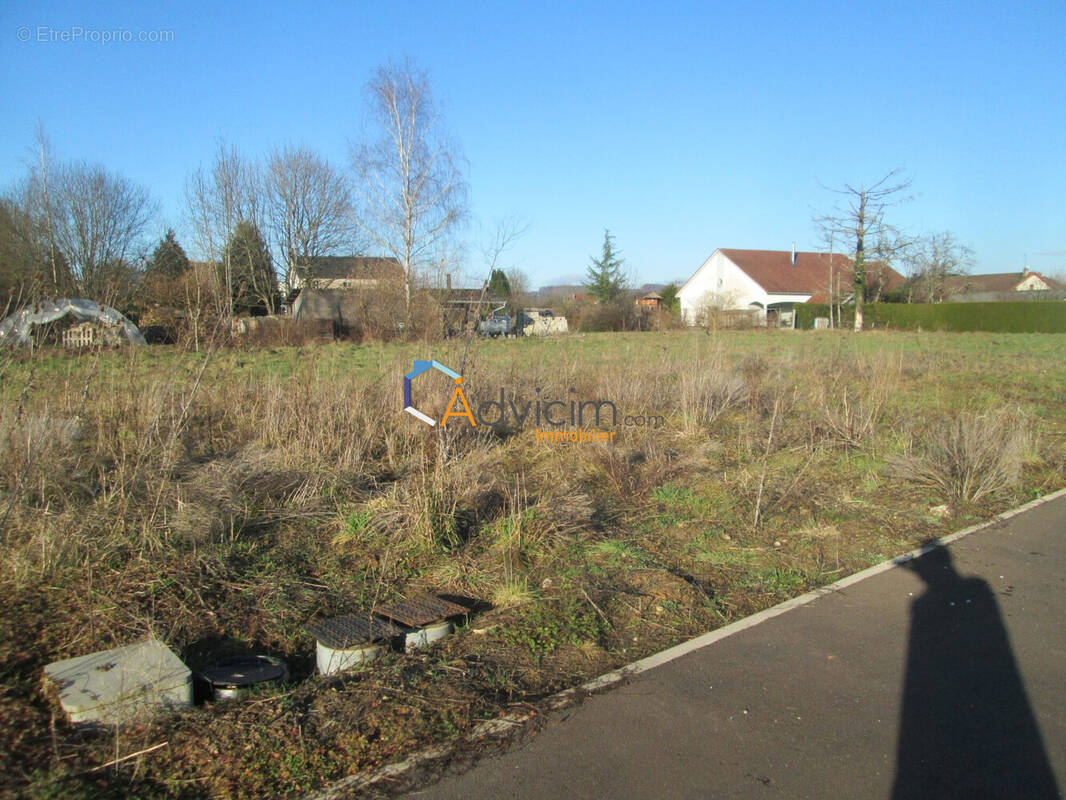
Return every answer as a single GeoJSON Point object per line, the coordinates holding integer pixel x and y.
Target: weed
{"type": "Point", "coordinates": [545, 626]}
{"type": "Point", "coordinates": [511, 594]}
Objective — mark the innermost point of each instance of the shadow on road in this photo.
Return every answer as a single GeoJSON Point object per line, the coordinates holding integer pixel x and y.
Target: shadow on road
{"type": "Point", "coordinates": [967, 729]}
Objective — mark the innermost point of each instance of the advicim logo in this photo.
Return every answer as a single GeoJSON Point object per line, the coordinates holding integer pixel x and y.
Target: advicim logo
{"type": "Point", "coordinates": [584, 418]}
{"type": "Point", "coordinates": [425, 366]}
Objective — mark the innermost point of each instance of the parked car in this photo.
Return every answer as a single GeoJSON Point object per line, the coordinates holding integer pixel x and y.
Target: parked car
{"type": "Point", "coordinates": [495, 325]}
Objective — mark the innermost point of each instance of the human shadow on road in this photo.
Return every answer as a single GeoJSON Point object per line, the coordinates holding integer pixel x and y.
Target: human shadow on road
{"type": "Point", "coordinates": [966, 729]}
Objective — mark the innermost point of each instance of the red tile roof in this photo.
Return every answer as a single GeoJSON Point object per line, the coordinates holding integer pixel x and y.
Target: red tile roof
{"type": "Point", "coordinates": [995, 282]}
{"type": "Point", "coordinates": [774, 271]}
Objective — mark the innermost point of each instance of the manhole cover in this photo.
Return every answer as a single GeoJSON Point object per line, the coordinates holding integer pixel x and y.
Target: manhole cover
{"type": "Point", "coordinates": [340, 633]}
{"type": "Point", "coordinates": [418, 611]}
{"type": "Point", "coordinates": [246, 671]}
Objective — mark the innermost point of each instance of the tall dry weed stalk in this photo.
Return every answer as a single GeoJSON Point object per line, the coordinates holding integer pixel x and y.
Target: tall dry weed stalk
{"type": "Point", "coordinates": [706, 393]}
{"type": "Point", "coordinates": [852, 396]}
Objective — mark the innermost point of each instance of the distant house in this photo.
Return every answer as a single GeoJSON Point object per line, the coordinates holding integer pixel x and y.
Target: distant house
{"type": "Point", "coordinates": [357, 293]}
{"type": "Point", "coordinates": [1000, 283]}
{"type": "Point", "coordinates": [347, 272]}
{"type": "Point", "coordinates": [771, 282]}
{"type": "Point", "coordinates": [650, 300]}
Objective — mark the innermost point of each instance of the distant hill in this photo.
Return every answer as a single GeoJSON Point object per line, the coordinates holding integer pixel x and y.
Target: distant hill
{"type": "Point", "coordinates": [545, 292]}
{"type": "Point", "coordinates": [650, 287]}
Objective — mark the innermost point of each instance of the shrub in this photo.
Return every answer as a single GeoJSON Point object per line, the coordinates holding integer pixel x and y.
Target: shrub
{"type": "Point", "coordinates": [970, 456]}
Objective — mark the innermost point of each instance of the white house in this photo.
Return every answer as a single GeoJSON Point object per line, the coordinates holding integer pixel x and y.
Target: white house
{"type": "Point", "coordinates": [772, 281]}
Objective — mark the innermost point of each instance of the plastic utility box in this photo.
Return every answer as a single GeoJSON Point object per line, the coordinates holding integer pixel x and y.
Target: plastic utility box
{"type": "Point", "coordinates": [118, 685]}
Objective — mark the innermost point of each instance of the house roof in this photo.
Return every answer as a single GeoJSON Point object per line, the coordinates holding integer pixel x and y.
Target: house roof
{"type": "Point", "coordinates": [994, 282]}
{"type": "Point", "coordinates": [357, 267]}
{"type": "Point", "coordinates": [774, 271]}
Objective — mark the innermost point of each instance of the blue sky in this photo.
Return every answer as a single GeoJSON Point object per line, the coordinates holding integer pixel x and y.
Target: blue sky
{"type": "Point", "coordinates": [681, 127]}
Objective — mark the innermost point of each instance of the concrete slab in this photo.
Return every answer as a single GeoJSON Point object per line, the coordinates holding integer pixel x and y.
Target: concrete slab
{"type": "Point", "coordinates": [115, 686]}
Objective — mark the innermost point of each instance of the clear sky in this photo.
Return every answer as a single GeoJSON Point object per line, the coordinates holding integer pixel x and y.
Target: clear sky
{"type": "Point", "coordinates": [682, 127]}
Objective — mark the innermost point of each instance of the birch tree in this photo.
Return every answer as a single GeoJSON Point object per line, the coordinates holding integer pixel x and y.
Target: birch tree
{"type": "Point", "coordinates": [409, 182]}
{"type": "Point", "coordinates": [217, 200]}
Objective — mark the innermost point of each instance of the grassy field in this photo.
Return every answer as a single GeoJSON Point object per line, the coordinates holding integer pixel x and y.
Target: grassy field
{"type": "Point", "coordinates": [221, 500]}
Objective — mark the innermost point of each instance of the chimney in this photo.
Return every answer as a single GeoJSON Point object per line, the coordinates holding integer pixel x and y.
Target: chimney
{"type": "Point", "coordinates": [793, 254]}
{"type": "Point", "coordinates": [448, 281]}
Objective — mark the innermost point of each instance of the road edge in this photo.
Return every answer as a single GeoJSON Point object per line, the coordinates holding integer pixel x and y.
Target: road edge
{"type": "Point", "coordinates": [504, 725]}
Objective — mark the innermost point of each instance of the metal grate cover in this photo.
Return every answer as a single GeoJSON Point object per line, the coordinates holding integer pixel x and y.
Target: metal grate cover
{"type": "Point", "coordinates": [422, 610]}
{"type": "Point", "coordinates": [340, 633]}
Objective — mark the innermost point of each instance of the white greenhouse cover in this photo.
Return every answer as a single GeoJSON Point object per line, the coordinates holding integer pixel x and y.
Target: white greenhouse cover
{"type": "Point", "coordinates": [16, 328]}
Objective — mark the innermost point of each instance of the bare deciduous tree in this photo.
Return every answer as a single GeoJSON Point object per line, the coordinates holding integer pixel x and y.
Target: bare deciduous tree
{"type": "Point", "coordinates": [216, 201]}
{"type": "Point", "coordinates": [71, 228]}
{"type": "Point", "coordinates": [88, 224]}
{"type": "Point", "coordinates": [503, 237]}
{"type": "Point", "coordinates": [519, 283]}
{"type": "Point", "coordinates": [100, 221]}
{"type": "Point", "coordinates": [713, 308]}
{"type": "Point", "coordinates": [838, 281]}
{"type": "Point", "coordinates": [933, 259]}
{"type": "Point", "coordinates": [860, 220]}
{"type": "Point", "coordinates": [309, 208]}
{"type": "Point", "coordinates": [505, 233]}
{"type": "Point", "coordinates": [40, 196]}
{"type": "Point", "coordinates": [409, 179]}
{"type": "Point", "coordinates": [24, 265]}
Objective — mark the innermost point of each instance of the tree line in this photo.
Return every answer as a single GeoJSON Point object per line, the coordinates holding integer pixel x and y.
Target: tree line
{"type": "Point", "coordinates": [254, 226]}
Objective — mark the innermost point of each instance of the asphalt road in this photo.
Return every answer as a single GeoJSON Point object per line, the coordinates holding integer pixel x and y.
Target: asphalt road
{"type": "Point", "coordinates": [945, 678]}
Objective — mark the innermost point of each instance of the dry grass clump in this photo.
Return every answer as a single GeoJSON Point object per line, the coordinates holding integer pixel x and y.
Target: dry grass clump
{"type": "Point", "coordinates": [510, 593]}
{"type": "Point", "coordinates": [707, 394]}
{"type": "Point", "coordinates": [852, 398]}
{"type": "Point", "coordinates": [38, 453]}
{"type": "Point", "coordinates": [970, 455]}
{"type": "Point", "coordinates": [231, 496]}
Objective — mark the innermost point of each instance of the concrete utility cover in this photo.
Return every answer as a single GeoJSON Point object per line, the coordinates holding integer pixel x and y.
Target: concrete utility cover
{"type": "Point", "coordinates": [114, 686]}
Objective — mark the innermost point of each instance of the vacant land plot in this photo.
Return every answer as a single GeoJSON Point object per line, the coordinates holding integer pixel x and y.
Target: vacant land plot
{"type": "Point", "coordinates": [219, 501]}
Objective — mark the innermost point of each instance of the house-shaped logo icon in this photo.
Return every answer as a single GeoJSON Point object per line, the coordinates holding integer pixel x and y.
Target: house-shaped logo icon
{"type": "Point", "coordinates": [424, 366]}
